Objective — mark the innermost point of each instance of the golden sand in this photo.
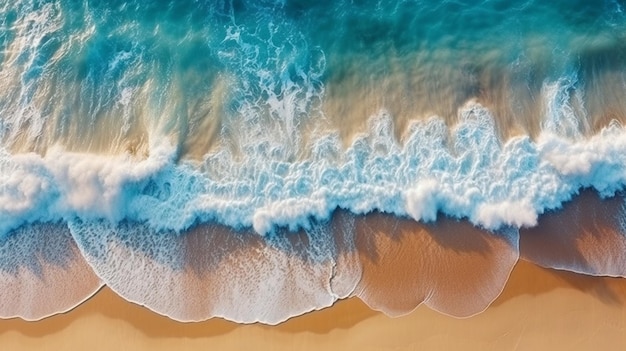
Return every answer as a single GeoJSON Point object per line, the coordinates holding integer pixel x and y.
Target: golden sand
{"type": "Point", "coordinates": [539, 309]}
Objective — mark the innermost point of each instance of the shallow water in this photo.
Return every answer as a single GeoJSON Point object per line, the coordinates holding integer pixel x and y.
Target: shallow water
{"type": "Point", "coordinates": [248, 151]}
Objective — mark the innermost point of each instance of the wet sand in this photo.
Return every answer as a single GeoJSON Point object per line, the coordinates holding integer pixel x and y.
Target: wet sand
{"type": "Point", "coordinates": [538, 309]}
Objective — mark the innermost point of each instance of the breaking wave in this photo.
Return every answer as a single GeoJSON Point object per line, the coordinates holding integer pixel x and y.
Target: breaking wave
{"type": "Point", "coordinates": [201, 158]}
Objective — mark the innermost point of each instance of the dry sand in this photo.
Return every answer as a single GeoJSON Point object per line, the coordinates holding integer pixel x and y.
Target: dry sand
{"type": "Point", "coordinates": [539, 309]}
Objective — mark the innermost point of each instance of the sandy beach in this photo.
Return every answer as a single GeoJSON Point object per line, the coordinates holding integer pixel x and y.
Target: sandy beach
{"type": "Point", "coordinates": [539, 309]}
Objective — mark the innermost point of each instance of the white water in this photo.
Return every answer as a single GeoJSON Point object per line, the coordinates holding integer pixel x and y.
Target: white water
{"type": "Point", "coordinates": [464, 172]}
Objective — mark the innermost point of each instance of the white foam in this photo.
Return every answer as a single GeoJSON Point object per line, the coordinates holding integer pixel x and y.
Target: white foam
{"type": "Point", "coordinates": [63, 185]}
{"type": "Point", "coordinates": [477, 177]}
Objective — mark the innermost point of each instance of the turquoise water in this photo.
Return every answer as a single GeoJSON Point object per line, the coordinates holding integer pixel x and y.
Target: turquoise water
{"type": "Point", "coordinates": [135, 123]}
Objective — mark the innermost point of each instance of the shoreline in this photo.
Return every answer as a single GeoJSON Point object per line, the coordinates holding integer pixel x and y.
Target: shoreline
{"type": "Point", "coordinates": [539, 307]}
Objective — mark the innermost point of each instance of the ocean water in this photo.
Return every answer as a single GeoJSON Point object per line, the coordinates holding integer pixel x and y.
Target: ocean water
{"type": "Point", "coordinates": [255, 160]}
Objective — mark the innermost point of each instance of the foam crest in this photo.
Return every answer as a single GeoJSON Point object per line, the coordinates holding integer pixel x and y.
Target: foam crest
{"type": "Point", "coordinates": [463, 172]}
{"type": "Point", "coordinates": [597, 162]}
{"type": "Point", "coordinates": [63, 185]}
